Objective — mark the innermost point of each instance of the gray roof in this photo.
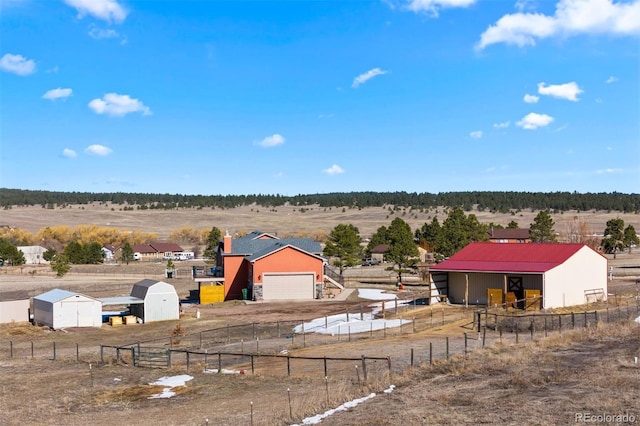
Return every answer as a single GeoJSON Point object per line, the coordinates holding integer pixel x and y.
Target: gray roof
{"type": "Point", "coordinates": [251, 245]}
{"type": "Point", "coordinates": [141, 288]}
{"type": "Point", "coordinates": [57, 294]}
{"type": "Point", "coordinates": [280, 244]}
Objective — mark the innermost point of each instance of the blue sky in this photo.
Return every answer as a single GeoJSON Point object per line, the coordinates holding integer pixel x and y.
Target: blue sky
{"type": "Point", "coordinates": [301, 97]}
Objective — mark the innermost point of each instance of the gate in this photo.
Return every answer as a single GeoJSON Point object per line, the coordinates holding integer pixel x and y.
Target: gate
{"type": "Point", "coordinates": [151, 357]}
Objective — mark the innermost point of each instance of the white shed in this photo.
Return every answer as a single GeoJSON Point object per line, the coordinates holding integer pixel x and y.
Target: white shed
{"type": "Point", "coordinates": [64, 309]}
{"type": "Point", "coordinates": [563, 274]}
{"type": "Point", "coordinates": [14, 306]}
{"type": "Point", "coordinates": [161, 301]}
{"type": "Point", "coordinates": [33, 255]}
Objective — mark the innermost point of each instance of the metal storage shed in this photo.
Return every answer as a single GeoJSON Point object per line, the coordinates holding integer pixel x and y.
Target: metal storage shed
{"type": "Point", "coordinates": [63, 309]}
{"type": "Point", "coordinates": [14, 306]}
{"type": "Point", "coordinates": [161, 301]}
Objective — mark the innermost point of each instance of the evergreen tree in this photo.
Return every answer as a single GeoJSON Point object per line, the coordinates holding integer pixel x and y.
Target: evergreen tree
{"type": "Point", "coordinates": [49, 254]}
{"type": "Point", "coordinates": [127, 253]}
{"type": "Point", "coordinates": [211, 250]}
{"type": "Point", "coordinates": [60, 265]}
{"type": "Point", "coordinates": [10, 254]}
{"type": "Point", "coordinates": [380, 237]}
{"type": "Point", "coordinates": [613, 240]}
{"type": "Point", "coordinates": [93, 253]}
{"type": "Point", "coordinates": [630, 237]}
{"type": "Point", "coordinates": [541, 230]}
{"type": "Point", "coordinates": [459, 230]}
{"type": "Point", "coordinates": [402, 249]}
{"type": "Point", "coordinates": [344, 245]}
{"type": "Point", "coordinates": [74, 253]}
{"type": "Point", "coordinates": [512, 225]}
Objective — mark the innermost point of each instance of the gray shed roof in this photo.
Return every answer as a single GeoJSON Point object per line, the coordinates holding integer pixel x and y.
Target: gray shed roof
{"type": "Point", "coordinates": [57, 295]}
{"type": "Point", "coordinates": [120, 300]}
{"type": "Point", "coordinates": [141, 288]}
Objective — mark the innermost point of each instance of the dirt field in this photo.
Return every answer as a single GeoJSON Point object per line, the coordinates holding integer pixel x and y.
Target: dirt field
{"type": "Point", "coordinates": [285, 220]}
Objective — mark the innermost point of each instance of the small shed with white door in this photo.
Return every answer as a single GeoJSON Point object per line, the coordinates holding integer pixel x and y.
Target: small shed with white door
{"type": "Point", "coordinates": [65, 309]}
{"type": "Point", "coordinates": [160, 301]}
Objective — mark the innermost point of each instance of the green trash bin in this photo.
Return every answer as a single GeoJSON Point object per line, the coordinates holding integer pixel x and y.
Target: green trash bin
{"type": "Point", "coordinates": [244, 294]}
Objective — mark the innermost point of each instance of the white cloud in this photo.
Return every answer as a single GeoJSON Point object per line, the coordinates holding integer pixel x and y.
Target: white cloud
{"type": "Point", "coordinates": [611, 79]}
{"type": "Point", "coordinates": [100, 150]}
{"type": "Point", "coordinates": [502, 125]}
{"type": "Point", "coordinates": [531, 99]}
{"type": "Point", "coordinates": [333, 170]}
{"type": "Point", "coordinates": [364, 77]}
{"type": "Point", "coordinates": [568, 91]}
{"type": "Point", "coordinates": [58, 93]}
{"type": "Point", "coordinates": [107, 10]}
{"type": "Point", "coordinates": [571, 17]}
{"type": "Point", "coordinates": [17, 64]}
{"type": "Point", "coordinates": [118, 105]}
{"type": "Point", "coordinates": [477, 134]}
{"type": "Point", "coordinates": [69, 153]}
{"type": "Point", "coordinates": [532, 121]}
{"type": "Point", "coordinates": [431, 7]}
{"type": "Point", "coordinates": [608, 171]}
{"type": "Point", "coordinates": [270, 141]}
{"type": "Point", "coordinates": [100, 33]}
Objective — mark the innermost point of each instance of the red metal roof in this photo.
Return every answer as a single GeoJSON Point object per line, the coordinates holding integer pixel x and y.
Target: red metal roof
{"type": "Point", "coordinates": [489, 257]}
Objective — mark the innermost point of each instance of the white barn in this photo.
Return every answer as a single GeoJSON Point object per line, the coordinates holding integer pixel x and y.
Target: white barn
{"type": "Point", "coordinates": [14, 306]}
{"type": "Point", "coordinates": [564, 274]}
{"type": "Point", "coordinates": [65, 309]}
{"type": "Point", "coordinates": [160, 301]}
{"type": "Point", "coordinates": [33, 255]}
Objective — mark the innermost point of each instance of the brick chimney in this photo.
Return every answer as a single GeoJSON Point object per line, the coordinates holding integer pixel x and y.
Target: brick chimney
{"type": "Point", "coordinates": [227, 242]}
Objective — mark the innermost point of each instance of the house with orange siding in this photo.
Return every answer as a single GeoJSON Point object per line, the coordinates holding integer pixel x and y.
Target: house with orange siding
{"type": "Point", "coordinates": [270, 268]}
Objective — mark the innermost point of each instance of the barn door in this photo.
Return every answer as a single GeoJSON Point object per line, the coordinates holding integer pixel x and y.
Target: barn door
{"type": "Point", "coordinates": [515, 286]}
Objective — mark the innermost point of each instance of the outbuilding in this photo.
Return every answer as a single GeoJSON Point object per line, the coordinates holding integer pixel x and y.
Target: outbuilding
{"type": "Point", "coordinates": [160, 301]}
{"type": "Point", "coordinates": [33, 255]}
{"type": "Point", "coordinates": [14, 306]}
{"type": "Point", "coordinates": [64, 309]}
{"type": "Point", "coordinates": [559, 274]}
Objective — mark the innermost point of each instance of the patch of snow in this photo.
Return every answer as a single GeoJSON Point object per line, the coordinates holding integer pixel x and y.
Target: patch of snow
{"type": "Point", "coordinates": [170, 382]}
{"type": "Point", "coordinates": [375, 294]}
{"type": "Point", "coordinates": [313, 420]}
{"type": "Point", "coordinates": [638, 320]}
{"type": "Point", "coordinates": [343, 324]}
{"type": "Point", "coordinates": [117, 379]}
{"type": "Point", "coordinates": [224, 371]}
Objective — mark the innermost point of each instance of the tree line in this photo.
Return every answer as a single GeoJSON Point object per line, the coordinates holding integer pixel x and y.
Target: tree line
{"type": "Point", "coordinates": [494, 201]}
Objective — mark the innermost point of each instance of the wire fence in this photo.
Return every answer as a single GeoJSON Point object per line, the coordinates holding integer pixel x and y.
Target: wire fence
{"type": "Point", "coordinates": [269, 348]}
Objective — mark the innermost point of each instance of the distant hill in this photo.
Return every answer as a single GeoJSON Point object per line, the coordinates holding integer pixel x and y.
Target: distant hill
{"type": "Point", "coordinates": [494, 201]}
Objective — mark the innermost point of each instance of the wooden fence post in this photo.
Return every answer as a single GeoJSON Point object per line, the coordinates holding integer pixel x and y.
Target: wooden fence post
{"type": "Point", "coordinates": [288, 365]}
{"type": "Point", "coordinates": [447, 340]}
{"type": "Point", "coordinates": [325, 368]}
{"type": "Point", "coordinates": [430, 353]}
{"type": "Point", "coordinates": [252, 366]}
{"type": "Point", "coordinates": [364, 368]}
{"type": "Point", "coordinates": [54, 350]}
{"type": "Point", "coordinates": [465, 345]}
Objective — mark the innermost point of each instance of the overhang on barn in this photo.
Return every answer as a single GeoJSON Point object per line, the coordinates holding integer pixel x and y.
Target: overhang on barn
{"type": "Point", "coordinates": [559, 274]}
{"type": "Point", "coordinates": [65, 309]}
{"type": "Point", "coordinates": [14, 306]}
{"type": "Point", "coordinates": [160, 301]}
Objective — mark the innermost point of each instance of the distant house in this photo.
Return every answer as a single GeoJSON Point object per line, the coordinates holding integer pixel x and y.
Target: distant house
{"type": "Point", "coordinates": [111, 252]}
{"type": "Point", "coordinates": [560, 274]}
{"type": "Point", "coordinates": [379, 251]}
{"type": "Point", "coordinates": [265, 267]}
{"type": "Point", "coordinates": [509, 235]}
{"type": "Point", "coordinates": [155, 251]}
{"type": "Point", "coordinates": [14, 306]}
{"type": "Point", "coordinates": [33, 255]}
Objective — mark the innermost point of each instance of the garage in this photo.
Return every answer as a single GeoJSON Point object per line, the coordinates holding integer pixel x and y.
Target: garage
{"type": "Point", "coordinates": [299, 286]}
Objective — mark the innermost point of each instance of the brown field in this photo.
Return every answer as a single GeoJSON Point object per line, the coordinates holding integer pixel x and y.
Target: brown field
{"type": "Point", "coordinates": [285, 220]}
{"type": "Point", "coordinates": [540, 380]}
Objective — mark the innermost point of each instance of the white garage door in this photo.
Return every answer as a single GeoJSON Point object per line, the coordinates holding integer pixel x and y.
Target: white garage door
{"type": "Point", "coordinates": [288, 287]}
